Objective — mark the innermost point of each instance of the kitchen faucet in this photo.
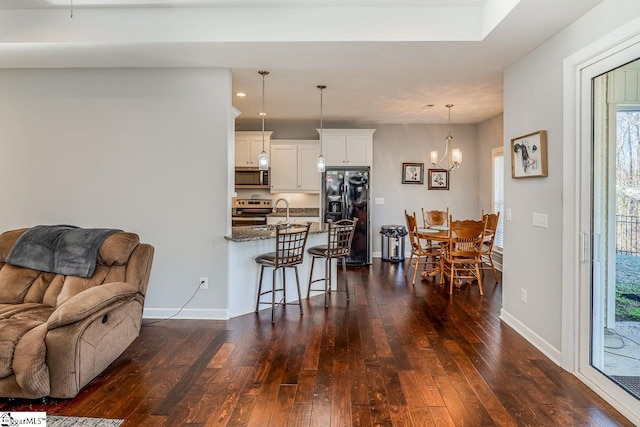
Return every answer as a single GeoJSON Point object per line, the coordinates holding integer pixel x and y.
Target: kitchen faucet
{"type": "Point", "coordinates": [286, 203]}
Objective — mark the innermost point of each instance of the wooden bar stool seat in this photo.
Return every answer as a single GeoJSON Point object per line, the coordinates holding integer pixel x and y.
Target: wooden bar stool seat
{"type": "Point", "coordinates": [290, 242]}
{"type": "Point", "coordinates": [339, 238]}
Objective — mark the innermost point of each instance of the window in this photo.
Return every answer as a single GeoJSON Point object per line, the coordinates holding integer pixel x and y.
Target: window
{"type": "Point", "coordinates": [497, 155]}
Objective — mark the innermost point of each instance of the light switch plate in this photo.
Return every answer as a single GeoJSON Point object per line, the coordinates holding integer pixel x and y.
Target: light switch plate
{"type": "Point", "coordinates": [540, 220]}
{"type": "Point", "coordinates": [508, 214]}
{"type": "Point", "coordinates": [379, 200]}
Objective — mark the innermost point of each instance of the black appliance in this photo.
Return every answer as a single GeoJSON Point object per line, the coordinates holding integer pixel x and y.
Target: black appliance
{"type": "Point", "coordinates": [345, 193]}
{"type": "Point", "coordinates": [251, 178]}
{"type": "Point", "coordinates": [250, 212]}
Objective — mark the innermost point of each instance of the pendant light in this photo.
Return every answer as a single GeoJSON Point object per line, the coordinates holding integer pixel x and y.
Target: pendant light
{"type": "Point", "coordinates": [263, 159]}
{"type": "Point", "coordinates": [321, 163]}
{"type": "Point", "coordinates": [456, 153]}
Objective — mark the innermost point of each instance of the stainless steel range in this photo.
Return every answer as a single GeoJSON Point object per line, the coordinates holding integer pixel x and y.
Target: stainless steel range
{"type": "Point", "coordinates": [250, 211]}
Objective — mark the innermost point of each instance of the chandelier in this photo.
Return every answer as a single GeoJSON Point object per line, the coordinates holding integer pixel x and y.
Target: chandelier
{"type": "Point", "coordinates": [456, 154]}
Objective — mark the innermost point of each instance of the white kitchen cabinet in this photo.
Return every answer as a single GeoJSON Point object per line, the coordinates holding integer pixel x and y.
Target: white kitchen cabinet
{"type": "Point", "coordinates": [293, 166]}
{"type": "Point", "coordinates": [347, 147]}
{"type": "Point", "coordinates": [249, 147]}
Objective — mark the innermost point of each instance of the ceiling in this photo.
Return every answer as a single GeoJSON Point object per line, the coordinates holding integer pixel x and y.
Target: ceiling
{"type": "Point", "coordinates": [383, 61]}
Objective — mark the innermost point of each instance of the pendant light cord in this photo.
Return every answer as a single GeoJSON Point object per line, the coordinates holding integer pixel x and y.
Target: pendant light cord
{"type": "Point", "coordinates": [321, 129]}
{"type": "Point", "coordinates": [263, 73]}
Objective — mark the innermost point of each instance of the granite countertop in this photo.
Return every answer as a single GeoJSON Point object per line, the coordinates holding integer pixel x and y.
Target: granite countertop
{"type": "Point", "coordinates": [296, 212]}
{"type": "Point", "coordinates": [262, 232]}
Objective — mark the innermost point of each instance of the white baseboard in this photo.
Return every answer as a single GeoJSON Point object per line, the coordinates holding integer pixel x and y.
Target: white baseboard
{"type": "Point", "coordinates": [376, 254]}
{"type": "Point", "coordinates": [186, 313]}
{"type": "Point", "coordinates": [538, 342]}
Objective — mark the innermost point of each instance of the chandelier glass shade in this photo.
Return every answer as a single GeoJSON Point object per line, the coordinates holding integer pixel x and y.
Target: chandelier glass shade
{"type": "Point", "coordinates": [455, 154]}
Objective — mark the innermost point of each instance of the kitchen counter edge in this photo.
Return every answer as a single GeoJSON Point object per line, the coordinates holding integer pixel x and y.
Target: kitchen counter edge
{"type": "Point", "coordinates": [249, 234]}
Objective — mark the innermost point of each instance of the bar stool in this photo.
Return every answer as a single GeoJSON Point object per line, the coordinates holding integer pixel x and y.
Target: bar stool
{"type": "Point", "coordinates": [339, 237]}
{"type": "Point", "coordinates": [290, 242]}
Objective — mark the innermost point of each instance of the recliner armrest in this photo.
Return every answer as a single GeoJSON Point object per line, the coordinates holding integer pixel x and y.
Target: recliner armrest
{"type": "Point", "coordinates": [89, 301]}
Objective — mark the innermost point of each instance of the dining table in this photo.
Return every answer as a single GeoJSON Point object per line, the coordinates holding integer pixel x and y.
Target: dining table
{"type": "Point", "coordinates": [436, 233]}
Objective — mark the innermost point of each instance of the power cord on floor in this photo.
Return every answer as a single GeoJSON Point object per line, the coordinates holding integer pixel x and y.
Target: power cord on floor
{"type": "Point", "coordinates": [179, 311]}
{"type": "Point", "coordinates": [612, 332]}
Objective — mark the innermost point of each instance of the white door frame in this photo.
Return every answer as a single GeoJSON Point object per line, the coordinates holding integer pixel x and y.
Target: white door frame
{"type": "Point", "coordinates": [614, 50]}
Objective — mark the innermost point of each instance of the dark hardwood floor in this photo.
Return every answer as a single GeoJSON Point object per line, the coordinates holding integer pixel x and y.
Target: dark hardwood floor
{"type": "Point", "coordinates": [396, 355]}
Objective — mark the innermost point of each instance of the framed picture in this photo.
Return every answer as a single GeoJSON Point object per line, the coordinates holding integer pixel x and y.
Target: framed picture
{"type": "Point", "coordinates": [413, 173]}
{"type": "Point", "coordinates": [529, 155]}
{"type": "Point", "coordinates": [438, 179]}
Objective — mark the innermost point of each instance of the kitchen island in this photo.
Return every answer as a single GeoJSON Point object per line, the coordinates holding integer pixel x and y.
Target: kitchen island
{"type": "Point", "coordinates": [245, 244]}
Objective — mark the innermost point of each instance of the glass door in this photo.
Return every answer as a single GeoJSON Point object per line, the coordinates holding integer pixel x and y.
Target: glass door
{"type": "Point", "coordinates": [615, 227]}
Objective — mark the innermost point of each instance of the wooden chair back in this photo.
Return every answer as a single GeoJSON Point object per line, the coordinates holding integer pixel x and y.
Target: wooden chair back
{"type": "Point", "coordinates": [412, 228]}
{"type": "Point", "coordinates": [290, 242]}
{"type": "Point", "coordinates": [435, 217]}
{"type": "Point", "coordinates": [492, 222]}
{"type": "Point", "coordinates": [466, 237]}
{"type": "Point", "coordinates": [419, 246]}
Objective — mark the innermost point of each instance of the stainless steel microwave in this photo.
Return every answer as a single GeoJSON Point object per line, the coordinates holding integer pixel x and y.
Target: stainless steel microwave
{"type": "Point", "coordinates": [252, 178]}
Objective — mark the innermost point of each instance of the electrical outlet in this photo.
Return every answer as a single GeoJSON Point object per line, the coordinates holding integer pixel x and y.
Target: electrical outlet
{"type": "Point", "coordinates": [523, 295]}
{"type": "Point", "coordinates": [204, 283]}
{"type": "Point", "coordinates": [379, 200]}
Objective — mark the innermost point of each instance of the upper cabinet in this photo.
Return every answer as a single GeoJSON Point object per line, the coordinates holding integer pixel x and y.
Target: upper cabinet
{"type": "Point", "coordinates": [347, 147]}
{"type": "Point", "coordinates": [249, 147]}
{"type": "Point", "coordinates": [293, 166]}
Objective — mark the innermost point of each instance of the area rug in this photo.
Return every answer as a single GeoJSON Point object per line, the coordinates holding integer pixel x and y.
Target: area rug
{"type": "Point", "coordinates": [630, 383]}
{"type": "Point", "coordinates": [57, 421]}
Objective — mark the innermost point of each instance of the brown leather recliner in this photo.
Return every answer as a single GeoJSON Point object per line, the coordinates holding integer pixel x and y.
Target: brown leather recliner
{"type": "Point", "coordinates": [58, 332]}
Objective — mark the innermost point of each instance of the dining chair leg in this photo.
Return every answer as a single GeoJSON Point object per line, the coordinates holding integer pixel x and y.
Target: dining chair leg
{"type": "Point", "coordinates": [406, 270]}
{"type": "Point", "coordinates": [273, 296]}
{"type": "Point", "coordinates": [298, 286]}
{"type": "Point", "coordinates": [415, 270]}
{"type": "Point", "coordinates": [452, 279]}
{"type": "Point", "coordinates": [493, 268]}
{"type": "Point", "coordinates": [478, 273]}
{"type": "Point", "coordinates": [313, 261]}
{"type": "Point", "coordinates": [259, 287]}
{"type": "Point", "coordinates": [344, 274]}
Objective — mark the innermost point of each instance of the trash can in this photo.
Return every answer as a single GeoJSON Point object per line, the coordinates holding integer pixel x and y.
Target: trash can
{"type": "Point", "coordinates": [393, 242]}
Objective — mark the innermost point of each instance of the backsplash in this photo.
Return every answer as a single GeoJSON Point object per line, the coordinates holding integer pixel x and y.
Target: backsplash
{"type": "Point", "coordinates": [296, 200]}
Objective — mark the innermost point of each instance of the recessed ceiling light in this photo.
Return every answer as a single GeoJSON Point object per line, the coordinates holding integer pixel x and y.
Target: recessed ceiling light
{"type": "Point", "coordinates": [240, 94]}
{"type": "Point", "coordinates": [428, 107]}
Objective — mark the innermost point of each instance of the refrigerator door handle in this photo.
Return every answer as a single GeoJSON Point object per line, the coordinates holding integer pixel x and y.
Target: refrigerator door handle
{"type": "Point", "coordinates": [344, 201]}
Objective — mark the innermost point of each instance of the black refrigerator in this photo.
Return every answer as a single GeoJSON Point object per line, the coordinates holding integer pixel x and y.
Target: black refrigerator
{"type": "Point", "coordinates": [345, 193]}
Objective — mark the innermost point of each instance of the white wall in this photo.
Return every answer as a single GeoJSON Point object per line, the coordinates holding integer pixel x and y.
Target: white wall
{"type": "Point", "coordinates": [490, 136]}
{"type": "Point", "coordinates": [144, 150]}
{"type": "Point", "coordinates": [533, 101]}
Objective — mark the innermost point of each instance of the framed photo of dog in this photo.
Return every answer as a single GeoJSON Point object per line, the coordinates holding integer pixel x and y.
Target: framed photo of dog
{"type": "Point", "coordinates": [529, 155]}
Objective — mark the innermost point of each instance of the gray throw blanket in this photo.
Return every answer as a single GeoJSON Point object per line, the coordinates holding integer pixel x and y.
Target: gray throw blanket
{"type": "Point", "coordinates": [63, 249]}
